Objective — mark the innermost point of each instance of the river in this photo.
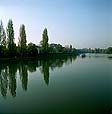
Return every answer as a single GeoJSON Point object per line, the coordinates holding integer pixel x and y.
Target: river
{"type": "Point", "coordinates": [61, 85]}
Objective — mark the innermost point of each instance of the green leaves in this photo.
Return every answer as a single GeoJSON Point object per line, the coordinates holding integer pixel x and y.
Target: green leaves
{"type": "Point", "coordinates": [2, 35]}
{"type": "Point", "coordinates": [22, 40]}
{"type": "Point", "coordinates": [10, 35]}
{"type": "Point", "coordinates": [44, 42]}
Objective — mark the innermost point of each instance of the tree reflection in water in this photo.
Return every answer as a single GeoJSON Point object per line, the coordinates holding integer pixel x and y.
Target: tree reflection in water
{"type": "Point", "coordinates": [23, 72]}
{"type": "Point", "coordinates": [12, 79]}
{"type": "Point", "coordinates": [9, 69]}
{"type": "Point", "coordinates": [3, 82]}
{"type": "Point", "coordinates": [45, 71]}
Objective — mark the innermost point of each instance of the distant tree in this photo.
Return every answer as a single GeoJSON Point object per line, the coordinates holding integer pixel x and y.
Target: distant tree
{"type": "Point", "coordinates": [22, 40]}
{"type": "Point", "coordinates": [74, 51]}
{"type": "Point", "coordinates": [32, 49]}
{"type": "Point", "coordinates": [55, 48]}
{"type": "Point", "coordinates": [44, 42]}
{"type": "Point", "coordinates": [10, 38]}
{"type": "Point", "coordinates": [71, 49]}
{"type": "Point", "coordinates": [59, 48]}
{"type": "Point", "coordinates": [109, 50]}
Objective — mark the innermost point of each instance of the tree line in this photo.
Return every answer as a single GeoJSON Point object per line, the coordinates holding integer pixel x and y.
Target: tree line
{"type": "Point", "coordinates": [96, 50]}
{"type": "Point", "coordinates": [8, 47]}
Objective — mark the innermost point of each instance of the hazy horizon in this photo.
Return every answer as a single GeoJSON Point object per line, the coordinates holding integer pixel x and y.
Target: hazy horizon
{"type": "Point", "coordinates": [82, 23]}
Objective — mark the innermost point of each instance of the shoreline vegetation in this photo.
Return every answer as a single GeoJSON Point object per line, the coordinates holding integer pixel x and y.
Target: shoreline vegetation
{"type": "Point", "coordinates": [39, 57]}
{"type": "Point", "coordinates": [9, 50]}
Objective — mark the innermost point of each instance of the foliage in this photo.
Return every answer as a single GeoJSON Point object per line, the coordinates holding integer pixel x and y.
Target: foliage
{"type": "Point", "coordinates": [96, 50]}
{"type": "Point", "coordinates": [44, 43]}
{"type": "Point", "coordinates": [10, 39]}
{"type": "Point", "coordinates": [2, 39]}
{"type": "Point", "coordinates": [2, 35]}
{"type": "Point", "coordinates": [22, 40]}
{"type": "Point", "coordinates": [32, 50]}
{"type": "Point", "coordinates": [8, 47]}
{"type": "Point", "coordinates": [109, 50]}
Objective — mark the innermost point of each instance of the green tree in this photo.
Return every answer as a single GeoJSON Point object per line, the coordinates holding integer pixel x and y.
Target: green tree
{"type": "Point", "coordinates": [1, 28]}
{"type": "Point", "coordinates": [32, 49]}
{"type": "Point", "coordinates": [44, 42]}
{"type": "Point", "coordinates": [10, 38]}
{"type": "Point", "coordinates": [2, 35]}
{"type": "Point", "coordinates": [109, 50]}
{"type": "Point", "coordinates": [2, 39]}
{"type": "Point", "coordinates": [22, 40]}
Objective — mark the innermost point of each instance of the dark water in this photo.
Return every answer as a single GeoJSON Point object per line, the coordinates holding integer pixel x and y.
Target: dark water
{"type": "Point", "coordinates": [62, 85]}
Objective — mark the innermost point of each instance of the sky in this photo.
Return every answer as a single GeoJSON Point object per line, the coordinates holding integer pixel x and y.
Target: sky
{"type": "Point", "coordinates": [82, 23]}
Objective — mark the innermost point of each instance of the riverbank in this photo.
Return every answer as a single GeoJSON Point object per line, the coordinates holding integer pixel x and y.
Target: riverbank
{"type": "Point", "coordinates": [39, 57]}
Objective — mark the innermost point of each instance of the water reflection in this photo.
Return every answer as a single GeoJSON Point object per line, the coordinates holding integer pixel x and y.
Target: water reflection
{"type": "Point", "coordinates": [23, 72]}
{"type": "Point", "coordinates": [45, 71]}
{"type": "Point", "coordinates": [3, 82]}
{"type": "Point", "coordinates": [8, 72]}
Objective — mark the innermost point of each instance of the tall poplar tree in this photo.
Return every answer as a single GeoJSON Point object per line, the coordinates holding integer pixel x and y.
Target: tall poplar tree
{"type": "Point", "coordinates": [44, 42]}
{"type": "Point", "coordinates": [10, 38]}
{"type": "Point", "coordinates": [2, 35]}
{"type": "Point", "coordinates": [22, 40]}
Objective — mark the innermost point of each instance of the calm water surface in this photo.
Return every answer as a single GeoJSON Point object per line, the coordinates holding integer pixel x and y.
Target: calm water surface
{"type": "Point", "coordinates": [74, 85]}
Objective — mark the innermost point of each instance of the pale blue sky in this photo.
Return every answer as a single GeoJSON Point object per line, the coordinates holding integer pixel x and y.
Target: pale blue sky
{"type": "Point", "coordinates": [82, 23]}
